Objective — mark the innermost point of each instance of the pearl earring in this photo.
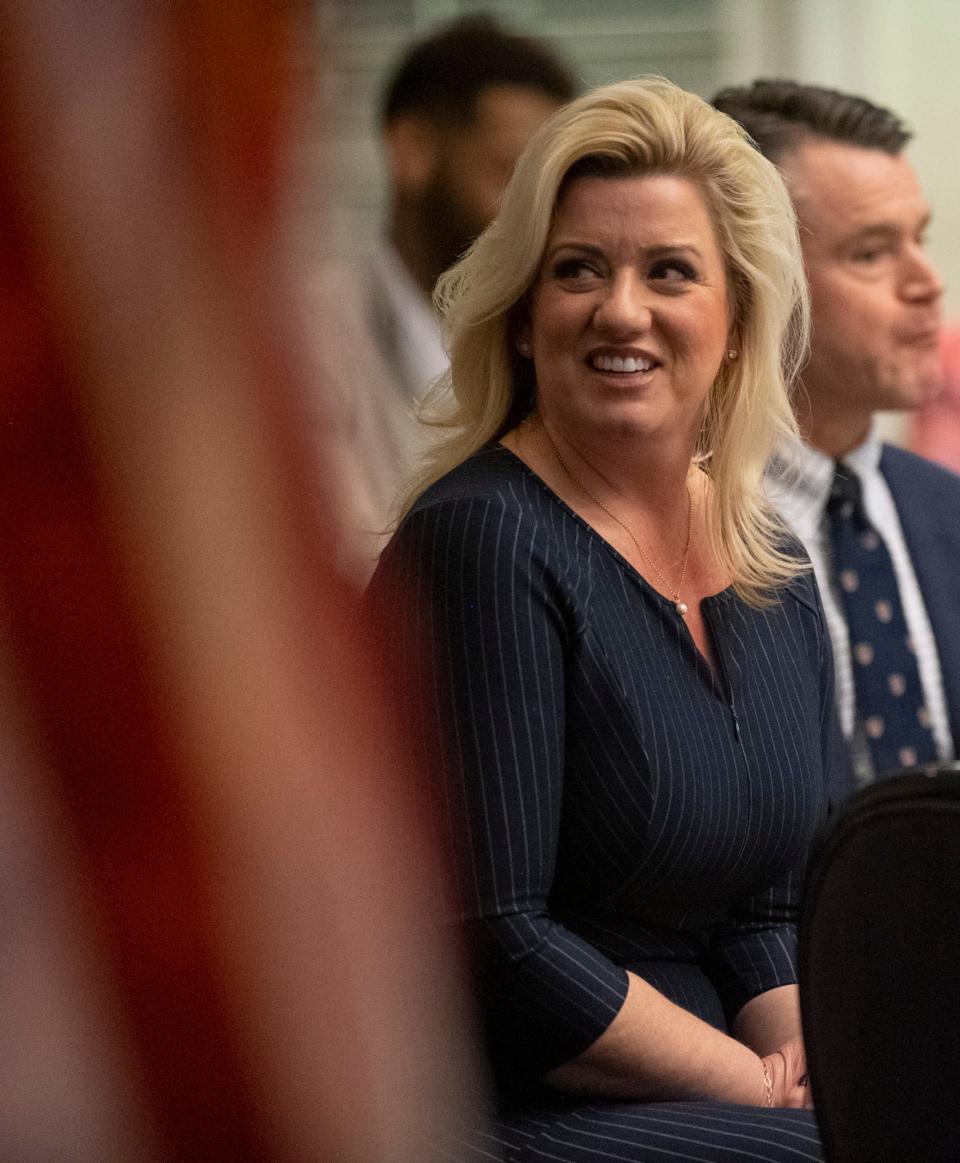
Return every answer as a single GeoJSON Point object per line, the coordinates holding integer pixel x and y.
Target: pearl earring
{"type": "Point", "coordinates": [732, 353]}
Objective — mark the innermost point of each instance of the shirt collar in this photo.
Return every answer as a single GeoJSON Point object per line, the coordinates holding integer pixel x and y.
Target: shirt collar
{"type": "Point", "coordinates": [808, 472]}
{"type": "Point", "coordinates": [801, 473]}
{"type": "Point", "coordinates": [799, 479]}
{"type": "Point", "coordinates": [865, 458]}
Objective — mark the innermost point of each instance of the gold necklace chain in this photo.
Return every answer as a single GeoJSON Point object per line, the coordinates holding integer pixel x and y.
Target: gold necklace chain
{"type": "Point", "coordinates": [681, 606]}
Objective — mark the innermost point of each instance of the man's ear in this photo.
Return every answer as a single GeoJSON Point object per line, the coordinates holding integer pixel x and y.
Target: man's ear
{"type": "Point", "coordinates": [412, 145]}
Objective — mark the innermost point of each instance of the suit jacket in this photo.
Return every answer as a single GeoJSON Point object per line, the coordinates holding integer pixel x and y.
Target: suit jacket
{"type": "Point", "coordinates": [928, 503]}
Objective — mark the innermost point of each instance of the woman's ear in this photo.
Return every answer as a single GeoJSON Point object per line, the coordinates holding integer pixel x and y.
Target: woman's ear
{"type": "Point", "coordinates": [733, 344]}
{"type": "Point", "coordinates": [524, 341]}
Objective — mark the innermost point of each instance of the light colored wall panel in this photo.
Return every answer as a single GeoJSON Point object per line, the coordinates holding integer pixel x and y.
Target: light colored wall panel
{"type": "Point", "coordinates": [899, 53]}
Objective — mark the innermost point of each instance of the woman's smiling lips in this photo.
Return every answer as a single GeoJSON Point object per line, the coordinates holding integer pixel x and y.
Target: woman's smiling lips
{"type": "Point", "coordinates": [625, 361]}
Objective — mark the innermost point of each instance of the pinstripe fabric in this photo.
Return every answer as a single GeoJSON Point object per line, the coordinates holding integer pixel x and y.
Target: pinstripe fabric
{"type": "Point", "coordinates": [615, 804]}
{"type": "Point", "coordinates": [635, 1132]}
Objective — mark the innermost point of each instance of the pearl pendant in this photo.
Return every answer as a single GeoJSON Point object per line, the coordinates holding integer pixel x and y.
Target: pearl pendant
{"type": "Point", "coordinates": [681, 608]}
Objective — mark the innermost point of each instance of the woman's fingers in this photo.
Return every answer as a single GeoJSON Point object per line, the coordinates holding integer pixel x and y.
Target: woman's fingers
{"type": "Point", "coordinates": [799, 1098]}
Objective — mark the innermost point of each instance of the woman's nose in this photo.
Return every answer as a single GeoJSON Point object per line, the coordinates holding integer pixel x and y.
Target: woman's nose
{"type": "Point", "coordinates": [625, 306]}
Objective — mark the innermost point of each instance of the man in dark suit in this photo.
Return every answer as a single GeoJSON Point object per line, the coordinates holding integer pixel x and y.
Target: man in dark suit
{"type": "Point", "coordinates": [882, 526]}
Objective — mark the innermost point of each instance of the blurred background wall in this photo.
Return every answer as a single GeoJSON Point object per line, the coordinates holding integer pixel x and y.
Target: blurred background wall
{"type": "Point", "coordinates": [902, 53]}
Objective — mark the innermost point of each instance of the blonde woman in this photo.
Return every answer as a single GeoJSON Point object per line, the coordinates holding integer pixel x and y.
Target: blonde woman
{"type": "Point", "coordinates": [619, 648]}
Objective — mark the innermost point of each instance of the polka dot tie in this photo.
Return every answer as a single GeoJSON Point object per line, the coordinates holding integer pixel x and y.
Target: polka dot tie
{"type": "Point", "coordinates": [890, 705]}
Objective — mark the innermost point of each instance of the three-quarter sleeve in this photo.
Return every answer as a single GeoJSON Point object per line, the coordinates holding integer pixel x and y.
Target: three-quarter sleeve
{"type": "Point", "coordinates": [486, 646]}
{"type": "Point", "coordinates": [757, 950]}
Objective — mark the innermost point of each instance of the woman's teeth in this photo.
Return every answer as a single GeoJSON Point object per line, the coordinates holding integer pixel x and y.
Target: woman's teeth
{"type": "Point", "coordinates": [616, 363]}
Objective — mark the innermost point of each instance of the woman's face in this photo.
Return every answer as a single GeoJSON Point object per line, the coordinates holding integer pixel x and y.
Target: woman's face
{"type": "Point", "coordinates": [629, 315]}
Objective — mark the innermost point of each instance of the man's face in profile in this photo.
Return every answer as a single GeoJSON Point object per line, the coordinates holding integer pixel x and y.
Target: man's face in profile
{"type": "Point", "coordinates": [474, 162]}
{"type": "Point", "coordinates": [875, 294]}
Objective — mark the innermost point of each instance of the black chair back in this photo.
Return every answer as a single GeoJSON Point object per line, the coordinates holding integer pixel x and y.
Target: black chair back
{"type": "Point", "coordinates": [880, 973]}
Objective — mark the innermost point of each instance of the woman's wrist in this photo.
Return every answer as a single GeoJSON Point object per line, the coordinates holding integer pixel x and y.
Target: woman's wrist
{"type": "Point", "coordinates": [748, 1079]}
{"type": "Point", "coordinates": [767, 1098]}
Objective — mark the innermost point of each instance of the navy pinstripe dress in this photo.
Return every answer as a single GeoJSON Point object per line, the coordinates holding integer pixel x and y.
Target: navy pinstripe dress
{"type": "Point", "coordinates": [615, 803]}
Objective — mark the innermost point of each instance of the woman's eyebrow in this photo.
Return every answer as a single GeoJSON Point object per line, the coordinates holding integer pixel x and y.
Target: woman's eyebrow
{"type": "Point", "coordinates": [656, 251]}
{"type": "Point", "coordinates": [572, 244]}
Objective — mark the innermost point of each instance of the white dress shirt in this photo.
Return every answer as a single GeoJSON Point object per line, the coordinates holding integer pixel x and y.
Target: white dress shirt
{"type": "Point", "coordinates": [413, 346]}
{"type": "Point", "coordinates": [374, 349]}
{"type": "Point", "coordinates": [800, 482]}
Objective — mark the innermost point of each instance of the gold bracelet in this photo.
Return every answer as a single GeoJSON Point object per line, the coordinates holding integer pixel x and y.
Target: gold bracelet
{"type": "Point", "coordinates": [767, 1084]}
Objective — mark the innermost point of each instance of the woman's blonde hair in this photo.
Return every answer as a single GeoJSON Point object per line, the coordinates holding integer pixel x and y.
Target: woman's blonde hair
{"type": "Point", "coordinates": [640, 127]}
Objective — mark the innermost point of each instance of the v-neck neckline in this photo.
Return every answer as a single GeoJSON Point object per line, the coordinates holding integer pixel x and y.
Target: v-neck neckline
{"type": "Point", "coordinates": [715, 673]}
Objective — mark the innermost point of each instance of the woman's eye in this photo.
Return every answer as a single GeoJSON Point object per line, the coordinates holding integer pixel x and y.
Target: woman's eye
{"type": "Point", "coordinates": [673, 270]}
{"type": "Point", "coordinates": [575, 270]}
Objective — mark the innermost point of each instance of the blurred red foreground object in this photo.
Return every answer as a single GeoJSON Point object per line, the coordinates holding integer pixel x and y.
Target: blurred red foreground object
{"type": "Point", "coordinates": [223, 936]}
